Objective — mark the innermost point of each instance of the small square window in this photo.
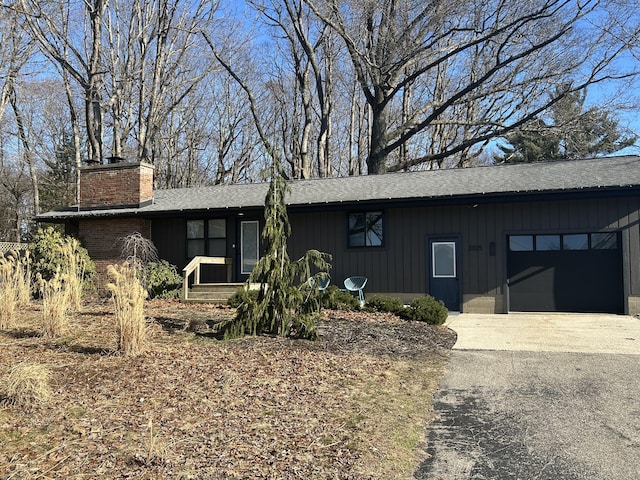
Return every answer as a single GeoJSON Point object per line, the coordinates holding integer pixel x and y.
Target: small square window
{"type": "Point", "coordinates": [195, 229]}
{"type": "Point", "coordinates": [217, 228]}
{"type": "Point", "coordinates": [366, 229]}
{"type": "Point", "coordinates": [521, 243]}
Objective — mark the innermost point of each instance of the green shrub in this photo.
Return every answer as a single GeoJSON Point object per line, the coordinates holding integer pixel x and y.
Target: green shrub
{"type": "Point", "coordinates": [162, 280]}
{"type": "Point", "coordinates": [243, 296]}
{"type": "Point", "coordinates": [380, 303]}
{"type": "Point", "coordinates": [50, 254]}
{"type": "Point", "coordinates": [335, 299]}
{"type": "Point", "coordinates": [428, 309]}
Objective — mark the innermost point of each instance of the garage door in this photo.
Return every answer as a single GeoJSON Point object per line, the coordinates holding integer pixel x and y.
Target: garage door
{"type": "Point", "coordinates": [565, 272]}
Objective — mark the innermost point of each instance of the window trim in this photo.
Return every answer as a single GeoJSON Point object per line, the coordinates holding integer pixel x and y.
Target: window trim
{"type": "Point", "coordinates": [434, 274]}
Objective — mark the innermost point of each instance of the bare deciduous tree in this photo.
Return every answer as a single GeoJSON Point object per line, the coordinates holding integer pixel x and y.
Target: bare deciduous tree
{"type": "Point", "coordinates": [477, 68]}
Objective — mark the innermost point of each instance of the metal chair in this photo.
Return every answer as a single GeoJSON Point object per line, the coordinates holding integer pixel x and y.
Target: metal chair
{"type": "Point", "coordinates": [356, 284]}
{"type": "Point", "coordinates": [321, 281]}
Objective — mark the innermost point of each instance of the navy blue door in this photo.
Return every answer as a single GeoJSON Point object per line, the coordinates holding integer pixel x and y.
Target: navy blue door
{"type": "Point", "coordinates": [444, 281]}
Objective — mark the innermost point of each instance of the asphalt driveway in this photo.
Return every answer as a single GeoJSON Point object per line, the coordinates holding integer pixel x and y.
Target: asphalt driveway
{"type": "Point", "coordinates": [538, 397]}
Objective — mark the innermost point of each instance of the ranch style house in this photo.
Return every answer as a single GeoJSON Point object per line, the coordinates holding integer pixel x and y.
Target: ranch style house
{"type": "Point", "coordinates": [547, 237]}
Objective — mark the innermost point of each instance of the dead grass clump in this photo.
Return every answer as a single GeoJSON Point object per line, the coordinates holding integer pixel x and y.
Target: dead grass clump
{"type": "Point", "coordinates": [27, 384]}
{"type": "Point", "coordinates": [55, 304]}
{"type": "Point", "coordinates": [15, 285]}
{"type": "Point", "coordinates": [75, 266]}
{"type": "Point", "coordinates": [128, 299]}
{"type": "Point", "coordinates": [23, 277]}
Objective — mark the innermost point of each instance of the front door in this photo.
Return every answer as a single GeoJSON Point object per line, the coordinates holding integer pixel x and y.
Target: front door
{"type": "Point", "coordinates": [444, 272]}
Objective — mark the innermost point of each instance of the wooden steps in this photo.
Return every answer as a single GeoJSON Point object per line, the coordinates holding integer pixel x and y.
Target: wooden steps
{"type": "Point", "coordinates": [211, 292]}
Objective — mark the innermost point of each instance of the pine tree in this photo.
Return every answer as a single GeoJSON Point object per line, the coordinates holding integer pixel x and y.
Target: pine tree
{"type": "Point", "coordinates": [570, 133]}
{"type": "Point", "coordinates": [286, 304]}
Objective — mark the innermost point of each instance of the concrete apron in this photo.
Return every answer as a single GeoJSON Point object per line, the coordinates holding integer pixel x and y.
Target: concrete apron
{"type": "Point", "coordinates": [547, 332]}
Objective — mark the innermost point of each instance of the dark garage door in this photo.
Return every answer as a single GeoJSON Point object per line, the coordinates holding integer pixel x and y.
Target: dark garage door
{"type": "Point", "coordinates": [565, 273]}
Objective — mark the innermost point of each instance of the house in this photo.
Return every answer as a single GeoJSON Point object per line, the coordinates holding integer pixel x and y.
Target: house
{"type": "Point", "coordinates": [560, 236]}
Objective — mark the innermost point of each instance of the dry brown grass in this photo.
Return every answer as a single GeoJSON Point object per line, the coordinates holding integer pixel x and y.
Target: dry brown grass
{"type": "Point", "coordinates": [8, 293]}
{"type": "Point", "coordinates": [75, 270]}
{"type": "Point", "coordinates": [27, 384]}
{"type": "Point", "coordinates": [351, 406]}
{"type": "Point", "coordinates": [15, 285]}
{"type": "Point", "coordinates": [128, 300]}
{"type": "Point", "coordinates": [55, 304]}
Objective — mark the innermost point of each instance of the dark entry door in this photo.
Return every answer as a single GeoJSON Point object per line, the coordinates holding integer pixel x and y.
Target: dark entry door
{"type": "Point", "coordinates": [444, 282]}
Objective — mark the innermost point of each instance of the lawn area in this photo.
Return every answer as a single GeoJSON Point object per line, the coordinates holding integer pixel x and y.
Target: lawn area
{"type": "Point", "coordinates": [353, 405]}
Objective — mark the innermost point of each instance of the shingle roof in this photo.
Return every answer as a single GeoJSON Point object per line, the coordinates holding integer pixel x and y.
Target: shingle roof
{"type": "Point", "coordinates": [577, 175]}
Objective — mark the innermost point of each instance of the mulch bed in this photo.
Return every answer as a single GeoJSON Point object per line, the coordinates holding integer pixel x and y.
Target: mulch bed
{"type": "Point", "coordinates": [193, 406]}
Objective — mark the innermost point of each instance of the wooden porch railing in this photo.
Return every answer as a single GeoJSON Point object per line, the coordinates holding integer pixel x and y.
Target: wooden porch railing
{"type": "Point", "coordinates": [193, 267]}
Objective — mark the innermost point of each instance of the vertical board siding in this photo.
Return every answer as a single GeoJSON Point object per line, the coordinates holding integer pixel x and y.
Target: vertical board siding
{"type": "Point", "coordinates": [402, 264]}
{"type": "Point", "coordinates": [169, 236]}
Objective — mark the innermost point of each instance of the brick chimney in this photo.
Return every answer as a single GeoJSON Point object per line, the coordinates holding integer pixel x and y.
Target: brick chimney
{"type": "Point", "coordinates": [116, 185]}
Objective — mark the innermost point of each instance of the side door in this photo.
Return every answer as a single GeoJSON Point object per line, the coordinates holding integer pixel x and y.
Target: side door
{"type": "Point", "coordinates": [249, 252]}
{"type": "Point", "coordinates": [444, 271]}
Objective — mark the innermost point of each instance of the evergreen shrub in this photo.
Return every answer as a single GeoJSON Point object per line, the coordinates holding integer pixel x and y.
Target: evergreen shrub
{"type": "Point", "coordinates": [333, 298]}
{"type": "Point", "coordinates": [381, 303]}
{"type": "Point", "coordinates": [241, 296]}
{"type": "Point", "coordinates": [50, 252]}
{"type": "Point", "coordinates": [428, 309]}
{"type": "Point", "coordinates": [162, 280]}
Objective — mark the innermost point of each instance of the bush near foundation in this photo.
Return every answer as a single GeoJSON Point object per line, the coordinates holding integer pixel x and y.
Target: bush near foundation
{"type": "Point", "coordinates": [427, 309]}
{"type": "Point", "coordinates": [381, 303]}
{"type": "Point", "coordinates": [54, 253]}
{"type": "Point", "coordinates": [162, 280]}
{"type": "Point", "coordinates": [335, 299]}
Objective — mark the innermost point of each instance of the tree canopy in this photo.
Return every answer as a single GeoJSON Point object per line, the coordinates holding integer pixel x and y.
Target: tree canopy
{"type": "Point", "coordinates": [338, 87]}
{"type": "Point", "coordinates": [571, 132]}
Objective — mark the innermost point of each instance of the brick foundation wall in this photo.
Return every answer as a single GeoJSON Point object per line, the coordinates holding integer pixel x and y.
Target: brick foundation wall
{"type": "Point", "coordinates": [116, 185]}
{"type": "Point", "coordinates": [100, 238]}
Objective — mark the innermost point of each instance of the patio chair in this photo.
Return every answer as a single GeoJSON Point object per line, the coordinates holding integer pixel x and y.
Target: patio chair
{"type": "Point", "coordinates": [356, 284]}
{"type": "Point", "coordinates": [321, 281]}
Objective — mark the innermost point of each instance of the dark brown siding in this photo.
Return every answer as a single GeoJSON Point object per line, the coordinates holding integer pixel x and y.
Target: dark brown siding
{"type": "Point", "coordinates": [401, 265]}
{"type": "Point", "coordinates": [169, 236]}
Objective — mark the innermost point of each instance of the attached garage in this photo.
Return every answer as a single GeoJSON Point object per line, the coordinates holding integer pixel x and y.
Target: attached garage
{"type": "Point", "coordinates": [565, 272]}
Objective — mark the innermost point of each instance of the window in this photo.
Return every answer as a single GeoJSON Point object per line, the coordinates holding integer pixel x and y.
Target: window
{"type": "Point", "coordinates": [604, 241]}
{"type": "Point", "coordinates": [195, 238]}
{"type": "Point", "coordinates": [521, 243]}
{"type": "Point", "coordinates": [249, 245]}
{"type": "Point", "coordinates": [444, 259]}
{"type": "Point", "coordinates": [566, 241]}
{"type": "Point", "coordinates": [547, 242]}
{"type": "Point", "coordinates": [217, 237]}
{"type": "Point", "coordinates": [207, 237]}
{"type": "Point", "coordinates": [579, 241]}
{"type": "Point", "coordinates": [366, 229]}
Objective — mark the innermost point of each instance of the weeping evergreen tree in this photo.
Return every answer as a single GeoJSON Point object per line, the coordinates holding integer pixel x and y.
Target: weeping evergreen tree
{"type": "Point", "coordinates": [287, 303]}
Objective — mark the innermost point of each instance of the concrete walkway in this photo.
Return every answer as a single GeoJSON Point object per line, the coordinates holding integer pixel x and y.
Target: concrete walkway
{"type": "Point", "coordinates": [547, 397]}
{"type": "Point", "coordinates": [542, 332]}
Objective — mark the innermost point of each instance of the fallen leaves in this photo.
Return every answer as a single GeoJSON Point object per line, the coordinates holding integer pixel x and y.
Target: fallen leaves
{"type": "Point", "coordinates": [196, 407]}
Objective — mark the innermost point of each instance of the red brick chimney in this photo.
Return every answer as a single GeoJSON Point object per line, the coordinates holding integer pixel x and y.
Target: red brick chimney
{"type": "Point", "coordinates": [116, 185]}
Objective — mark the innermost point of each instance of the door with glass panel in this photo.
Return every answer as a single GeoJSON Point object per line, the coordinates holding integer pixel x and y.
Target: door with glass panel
{"type": "Point", "coordinates": [444, 271]}
{"type": "Point", "coordinates": [249, 245]}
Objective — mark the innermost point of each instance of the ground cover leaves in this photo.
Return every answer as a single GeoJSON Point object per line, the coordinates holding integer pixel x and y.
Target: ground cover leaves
{"type": "Point", "coordinates": [347, 407]}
